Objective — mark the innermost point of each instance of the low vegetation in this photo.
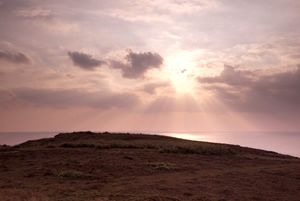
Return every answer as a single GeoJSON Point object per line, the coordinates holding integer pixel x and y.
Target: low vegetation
{"type": "Point", "coordinates": [73, 174]}
{"type": "Point", "coordinates": [163, 166]}
{"type": "Point", "coordinates": [162, 144]}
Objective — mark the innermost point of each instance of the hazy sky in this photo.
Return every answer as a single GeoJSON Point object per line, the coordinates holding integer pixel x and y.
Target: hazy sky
{"type": "Point", "coordinates": [159, 65]}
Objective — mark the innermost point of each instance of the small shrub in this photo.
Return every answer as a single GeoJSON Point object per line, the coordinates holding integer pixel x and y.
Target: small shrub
{"type": "Point", "coordinates": [115, 146]}
{"type": "Point", "coordinates": [187, 150]}
{"type": "Point", "coordinates": [203, 150]}
{"type": "Point", "coordinates": [85, 145]}
{"type": "Point", "coordinates": [149, 146]}
{"type": "Point", "coordinates": [160, 198]}
{"type": "Point", "coordinates": [202, 198]}
{"type": "Point", "coordinates": [4, 145]}
{"type": "Point", "coordinates": [68, 145]}
{"type": "Point", "coordinates": [70, 174]}
{"type": "Point", "coordinates": [133, 146]}
{"type": "Point", "coordinates": [103, 146]}
{"type": "Point", "coordinates": [163, 166]}
{"type": "Point", "coordinates": [125, 146]}
{"type": "Point", "coordinates": [128, 157]}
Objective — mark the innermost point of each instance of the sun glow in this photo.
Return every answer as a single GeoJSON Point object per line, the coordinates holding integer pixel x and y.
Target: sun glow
{"type": "Point", "coordinates": [180, 70]}
{"type": "Point", "coordinates": [186, 136]}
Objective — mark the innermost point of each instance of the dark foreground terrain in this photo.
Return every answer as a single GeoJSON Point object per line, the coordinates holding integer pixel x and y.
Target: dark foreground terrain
{"type": "Point", "coordinates": [87, 166]}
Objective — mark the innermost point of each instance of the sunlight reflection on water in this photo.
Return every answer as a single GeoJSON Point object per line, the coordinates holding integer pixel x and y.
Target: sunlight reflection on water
{"type": "Point", "coordinates": [281, 142]}
{"type": "Point", "coordinates": [188, 136]}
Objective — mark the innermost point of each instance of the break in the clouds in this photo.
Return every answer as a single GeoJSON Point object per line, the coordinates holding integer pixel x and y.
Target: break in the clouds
{"type": "Point", "coordinates": [254, 91]}
{"type": "Point", "coordinates": [85, 61]}
{"type": "Point", "coordinates": [136, 65]}
{"type": "Point", "coordinates": [17, 58]}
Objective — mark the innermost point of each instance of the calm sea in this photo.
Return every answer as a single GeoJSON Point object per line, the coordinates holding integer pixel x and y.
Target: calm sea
{"type": "Point", "coordinates": [281, 142]}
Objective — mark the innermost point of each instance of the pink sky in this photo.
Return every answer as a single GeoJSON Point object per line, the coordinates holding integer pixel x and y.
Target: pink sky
{"type": "Point", "coordinates": [160, 65]}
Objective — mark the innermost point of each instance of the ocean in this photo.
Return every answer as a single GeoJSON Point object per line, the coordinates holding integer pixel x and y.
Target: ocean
{"type": "Point", "coordinates": [281, 142]}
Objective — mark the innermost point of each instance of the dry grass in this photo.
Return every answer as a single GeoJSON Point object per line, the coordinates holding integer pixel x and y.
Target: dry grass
{"type": "Point", "coordinates": [163, 166]}
{"type": "Point", "coordinates": [20, 195]}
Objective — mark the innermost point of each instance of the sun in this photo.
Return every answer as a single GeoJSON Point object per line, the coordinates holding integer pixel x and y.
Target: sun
{"type": "Point", "coordinates": [180, 70]}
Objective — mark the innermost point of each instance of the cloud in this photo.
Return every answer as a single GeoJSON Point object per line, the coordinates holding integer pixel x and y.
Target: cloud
{"type": "Point", "coordinates": [183, 6]}
{"type": "Point", "coordinates": [17, 58]}
{"type": "Point", "coordinates": [229, 76]}
{"type": "Point", "coordinates": [151, 87]}
{"type": "Point", "coordinates": [85, 61]}
{"type": "Point", "coordinates": [43, 18]}
{"type": "Point", "coordinates": [66, 98]}
{"type": "Point", "coordinates": [9, 5]}
{"type": "Point", "coordinates": [6, 97]}
{"type": "Point", "coordinates": [223, 93]}
{"type": "Point", "coordinates": [256, 92]}
{"type": "Point", "coordinates": [136, 65]}
{"type": "Point", "coordinates": [146, 11]}
{"type": "Point", "coordinates": [34, 13]}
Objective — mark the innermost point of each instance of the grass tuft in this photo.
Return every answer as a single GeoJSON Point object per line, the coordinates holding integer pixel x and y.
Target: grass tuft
{"type": "Point", "coordinates": [73, 174]}
{"type": "Point", "coordinates": [163, 166]}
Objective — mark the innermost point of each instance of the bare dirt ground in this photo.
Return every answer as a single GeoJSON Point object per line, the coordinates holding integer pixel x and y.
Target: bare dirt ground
{"type": "Point", "coordinates": [102, 169]}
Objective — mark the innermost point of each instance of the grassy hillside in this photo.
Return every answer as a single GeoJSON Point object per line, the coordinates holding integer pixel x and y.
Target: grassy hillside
{"type": "Point", "coordinates": [162, 144]}
{"type": "Point", "coordinates": [104, 166]}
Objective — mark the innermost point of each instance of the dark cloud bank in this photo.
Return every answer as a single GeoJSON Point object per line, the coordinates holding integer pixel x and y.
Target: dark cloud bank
{"type": "Point", "coordinates": [17, 58]}
{"type": "Point", "coordinates": [253, 92]}
{"type": "Point", "coordinates": [65, 98]}
{"type": "Point", "coordinates": [134, 65]}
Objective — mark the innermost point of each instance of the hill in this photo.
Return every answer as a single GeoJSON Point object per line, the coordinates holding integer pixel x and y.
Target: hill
{"type": "Point", "coordinates": [104, 166]}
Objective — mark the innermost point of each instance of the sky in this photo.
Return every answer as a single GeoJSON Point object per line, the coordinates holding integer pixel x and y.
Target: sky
{"type": "Point", "coordinates": [159, 65]}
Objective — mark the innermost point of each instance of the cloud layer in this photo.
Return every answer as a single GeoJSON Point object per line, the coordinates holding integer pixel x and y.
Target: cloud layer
{"type": "Point", "coordinates": [66, 98]}
{"type": "Point", "coordinates": [252, 91]}
{"type": "Point", "coordinates": [17, 58]}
